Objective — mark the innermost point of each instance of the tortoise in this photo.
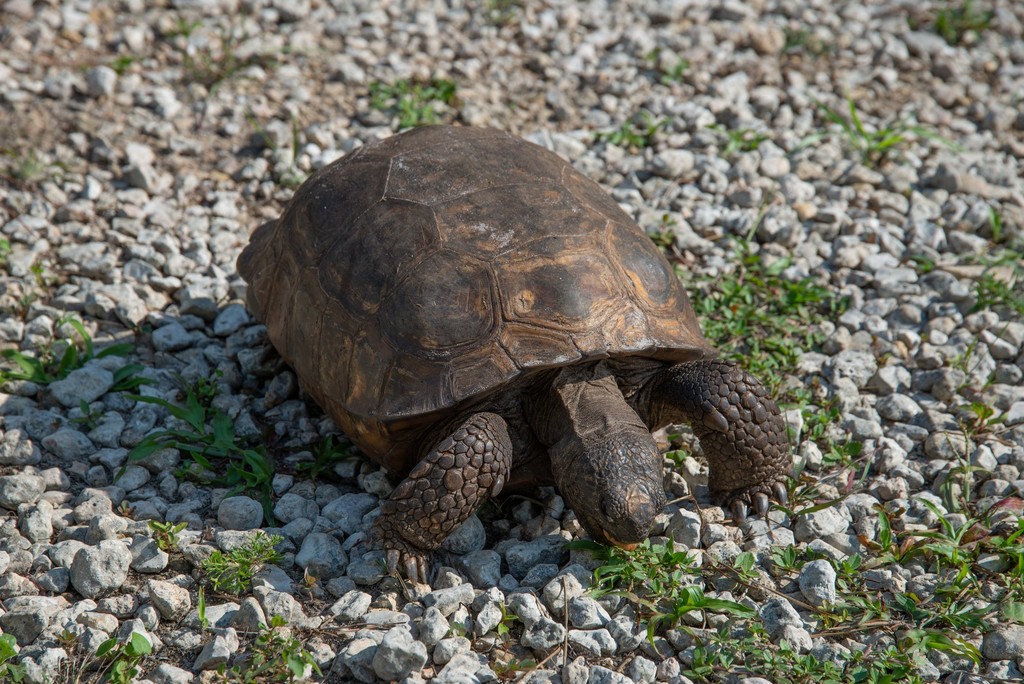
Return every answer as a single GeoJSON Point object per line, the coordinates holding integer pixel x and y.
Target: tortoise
{"type": "Point", "coordinates": [478, 317]}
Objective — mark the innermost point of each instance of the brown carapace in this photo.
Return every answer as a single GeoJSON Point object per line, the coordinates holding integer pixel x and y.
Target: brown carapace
{"type": "Point", "coordinates": [478, 316]}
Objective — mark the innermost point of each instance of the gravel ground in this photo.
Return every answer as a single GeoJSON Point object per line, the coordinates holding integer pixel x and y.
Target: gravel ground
{"type": "Point", "coordinates": [850, 170]}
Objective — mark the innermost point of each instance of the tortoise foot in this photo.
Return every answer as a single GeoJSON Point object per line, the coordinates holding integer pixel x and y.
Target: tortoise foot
{"type": "Point", "coordinates": [442, 492]}
{"type": "Point", "coordinates": [759, 498]}
{"type": "Point", "coordinates": [741, 430]}
{"type": "Point", "coordinates": [405, 559]}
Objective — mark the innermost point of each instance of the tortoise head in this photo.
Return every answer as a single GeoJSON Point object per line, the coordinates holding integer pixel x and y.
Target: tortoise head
{"type": "Point", "coordinates": [615, 488]}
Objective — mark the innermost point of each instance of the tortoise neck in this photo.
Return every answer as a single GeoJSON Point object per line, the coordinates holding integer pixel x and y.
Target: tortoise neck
{"type": "Point", "coordinates": [581, 407]}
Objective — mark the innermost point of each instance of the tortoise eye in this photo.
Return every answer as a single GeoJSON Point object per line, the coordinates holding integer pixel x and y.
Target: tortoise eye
{"type": "Point", "coordinates": [608, 508]}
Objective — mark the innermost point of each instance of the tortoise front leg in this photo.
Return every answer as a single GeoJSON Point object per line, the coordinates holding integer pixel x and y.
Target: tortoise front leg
{"type": "Point", "coordinates": [443, 491]}
{"type": "Point", "coordinates": [740, 428]}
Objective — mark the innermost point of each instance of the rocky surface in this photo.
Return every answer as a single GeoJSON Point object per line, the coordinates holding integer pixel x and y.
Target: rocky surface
{"type": "Point", "coordinates": [143, 142]}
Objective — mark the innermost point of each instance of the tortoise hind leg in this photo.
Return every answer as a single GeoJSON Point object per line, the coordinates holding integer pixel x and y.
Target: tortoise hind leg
{"type": "Point", "coordinates": [443, 491]}
{"type": "Point", "coordinates": [740, 428]}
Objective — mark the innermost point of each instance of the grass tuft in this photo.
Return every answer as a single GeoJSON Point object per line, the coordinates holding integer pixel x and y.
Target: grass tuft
{"type": "Point", "coordinates": [637, 132]}
{"type": "Point", "coordinates": [761, 320]}
{"type": "Point", "coordinates": [659, 579]}
{"type": "Point", "coordinates": [52, 365]}
{"type": "Point", "coordinates": [739, 140]}
{"type": "Point", "coordinates": [233, 572]}
{"type": "Point", "coordinates": [207, 436]}
{"type": "Point", "coordinates": [958, 24]}
{"type": "Point", "coordinates": [875, 145]}
{"type": "Point", "coordinates": [415, 104]}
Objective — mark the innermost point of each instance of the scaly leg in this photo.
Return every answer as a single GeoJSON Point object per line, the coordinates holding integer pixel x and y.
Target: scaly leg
{"type": "Point", "coordinates": [443, 491]}
{"type": "Point", "coordinates": [740, 429]}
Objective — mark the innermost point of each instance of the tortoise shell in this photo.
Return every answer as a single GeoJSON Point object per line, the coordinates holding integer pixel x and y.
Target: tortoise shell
{"type": "Point", "coordinates": [420, 275]}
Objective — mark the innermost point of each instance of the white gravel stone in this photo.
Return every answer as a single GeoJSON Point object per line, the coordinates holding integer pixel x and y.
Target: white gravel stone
{"type": "Point", "coordinates": [523, 556]}
{"type": "Point", "coordinates": [101, 569]}
{"type": "Point", "coordinates": [16, 448]}
{"type": "Point", "coordinates": [68, 444]}
{"type": "Point", "coordinates": [351, 606]}
{"type": "Point", "coordinates": [777, 613]}
{"type": "Point", "coordinates": [165, 673]}
{"type": "Point", "coordinates": [21, 488]}
{"type": "Point", "coordinates": [217, 651]}
{"type": "Point", "coordinates": [448, 600]}
{"type": "Point", "coordinates": [171, 337]}
{"type": "Point", "coordinates": [173, 602]}
{"type": "Point", "coordinates": [240, 513]}
{"type": "Point", "coordinates": [819, 524]}
{"type": "Point", "coordinates": [347, 511]}
{"type": "Point", "coordinates": [398, 655]}
{"type": "Point", "coordinates": [147, 556]}
{"type": "Point", "coordinates": [1005, 642]}
{"type": "Point", "coordinates": [818, 582]}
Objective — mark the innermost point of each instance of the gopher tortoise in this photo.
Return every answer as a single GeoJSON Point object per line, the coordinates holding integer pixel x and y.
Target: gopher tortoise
{"type": "Point", "coordinates": [479, 317]}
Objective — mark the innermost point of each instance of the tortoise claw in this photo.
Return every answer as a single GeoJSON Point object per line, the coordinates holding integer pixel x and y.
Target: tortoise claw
{"type": "Point", "coordinates": [401, 556]}
{"type": "Point", "coordinates": [392, 558]}
{"type": "Point", "coordinates": [416, 568]}
{"type": "Point", "coordinates": [739, 511]}
{"type": "Point", "coordinates": [779, 492]}
{"type": "Point", "coordinates": [761, 503]}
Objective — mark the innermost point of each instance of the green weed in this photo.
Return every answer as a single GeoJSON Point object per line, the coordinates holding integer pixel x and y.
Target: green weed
{"type": "Point", "coordinates": [982, 418]}
{"type": "Point", "coordinates": [39, 274]}
{"type": "Point", "coordinates": [326, 455]}
{"type": "Point", "coordinates": [672, 74]}
{"type": "Point", "coordinates": [166, 534]}
{"type": "Point", "coordinates": [204, 387]}
{"type": "Point", "coordinates": [991, 292]}
{"type": "Point", "coordinates": [961, 23]}
{"type": "Point", "coordinates": [183, 28]}
{"type": "Point", "coordinates": [413, 103]}
{"type": "Point", "coordinates": [232, 572]}
{"type": "Point", "coordinates": [677, 456]}
{"type": "Point", "coordinates": [659, 579]}
{"type": "Point", "coordinates": [10, 671]}
{"type": "Point", "coordinates": [875, 145]}
{"type": "Point", "coordinates": [208, 438]}
{"type": "Point", "coordinates": [123, 63]}
{"type": "Point", "coordinates": [922, 263]}
{"type": "Point", "coordinates": [804, 39]}
{"type": "Point", "coordinates": [292, 176]}
{"type": "Point", "coordinates": [675, 73]}
{"type": "Point", "coordinates": [650, 569]}
{"type": "Point", "coordinates": [636, 132]}
{"type": "Point", "coordinates": [5, 251]}
{"type": "Point", "coordinates": [739, 140]}
{"type": "Point", "coordinates": [818, 420]}
{"type": "Point", "coordinates": [995, 224]}
{"type": "Point", "coordinates": [275, 656]}
{"type": "Point", "coordinates": [504, 627]}
{"type": "Point", "coordinates": [89, 418]}
{"type": "Point", "coordinates": [28, 167]}
{"type": "Point", "coordinates": [123, 659]}
{"type": "Point", "coordinates": [52, 365]}
{"type": "Point", "coordinates": [508, 668]}
{"type": "Point", "coordinates": [961, 607]}
{"type": "Point", "coordinates": [213, 62]}
{"type": "Point", "coordinates": [725, 658]}
{"type": "Point", "coordinates": [761, 320]}
{"type": "Point", "coordinates": [662, 236]}
{"type": "Point", "coordinates": [201, 608]}
{"type": "Point", "coordinates": [842, 454]}
{"type": "Point", "coordinates": [502, 12]}
{"type": "Point", "coordinates": [786, 558]}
